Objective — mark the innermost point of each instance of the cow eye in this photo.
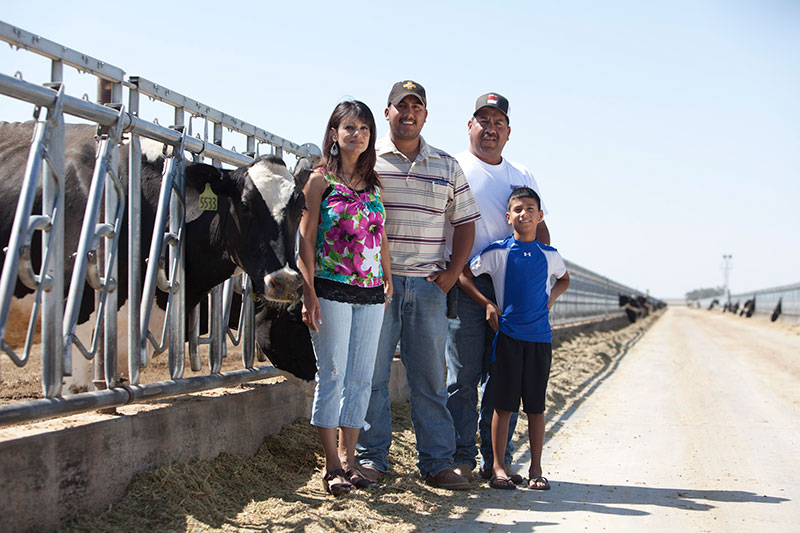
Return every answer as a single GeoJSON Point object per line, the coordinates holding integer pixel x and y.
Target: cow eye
{"type": "Point", "coordinates": [246, 206]}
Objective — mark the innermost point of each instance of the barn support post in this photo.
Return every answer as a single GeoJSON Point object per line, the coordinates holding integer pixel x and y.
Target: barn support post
{"type": "Point", "coordinates": [52, 196]}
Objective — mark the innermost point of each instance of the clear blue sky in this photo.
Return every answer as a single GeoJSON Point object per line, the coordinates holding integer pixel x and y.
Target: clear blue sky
{"type": "Point", "coordinates": [663, 135]}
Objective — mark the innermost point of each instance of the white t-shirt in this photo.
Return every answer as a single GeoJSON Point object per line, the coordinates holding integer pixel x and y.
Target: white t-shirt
{"type": "Point", "coordinates": [491, 186]}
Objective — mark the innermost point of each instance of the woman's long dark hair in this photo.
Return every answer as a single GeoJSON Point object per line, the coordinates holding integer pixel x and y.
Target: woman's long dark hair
{"type": "Point", "coordinates": [365, 165]}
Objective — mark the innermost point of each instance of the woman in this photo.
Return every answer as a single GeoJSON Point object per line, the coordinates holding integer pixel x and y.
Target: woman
{"type": "Point", "coordinates": [344, 260]}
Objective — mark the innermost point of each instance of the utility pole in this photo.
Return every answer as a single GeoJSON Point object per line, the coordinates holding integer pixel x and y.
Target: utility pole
{"type": "Point", "coordinates": [726, 268]}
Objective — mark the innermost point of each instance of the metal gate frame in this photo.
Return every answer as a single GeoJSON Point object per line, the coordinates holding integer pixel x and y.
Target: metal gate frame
{"type": "Point", "coordinates": [58, 323]}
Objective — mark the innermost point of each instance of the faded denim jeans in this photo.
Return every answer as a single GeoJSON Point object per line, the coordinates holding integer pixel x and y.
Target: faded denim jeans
{"type": "Point", "coordinates": [345, 346]}
{"type": "Point", "coordinates": [417, 318]}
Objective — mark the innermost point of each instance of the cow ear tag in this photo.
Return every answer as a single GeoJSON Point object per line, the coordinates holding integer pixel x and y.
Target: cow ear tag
{"type": "Point", "coordinates": [208, 200]}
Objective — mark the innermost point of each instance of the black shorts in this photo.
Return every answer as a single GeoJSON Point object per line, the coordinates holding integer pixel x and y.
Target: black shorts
{"type": "Point", "coordinates": [520, 370]}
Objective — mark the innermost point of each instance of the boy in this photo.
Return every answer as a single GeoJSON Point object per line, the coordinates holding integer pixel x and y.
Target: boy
{"type": "Point", "coordinates": [520, 267]}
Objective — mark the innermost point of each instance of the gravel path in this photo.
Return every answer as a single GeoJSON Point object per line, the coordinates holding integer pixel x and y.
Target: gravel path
{"type": "Point", "coordinates": [697, 428]}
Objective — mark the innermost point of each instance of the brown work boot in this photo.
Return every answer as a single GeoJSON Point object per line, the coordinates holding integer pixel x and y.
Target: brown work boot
{"type": "Point", "coordinates": [464, 471]}
{"type": "Point", "coordinates": [447, 479]}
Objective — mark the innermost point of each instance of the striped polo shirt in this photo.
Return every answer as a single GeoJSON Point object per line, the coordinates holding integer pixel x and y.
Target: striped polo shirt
{"type": "Point", "coordinates": [421, 198]}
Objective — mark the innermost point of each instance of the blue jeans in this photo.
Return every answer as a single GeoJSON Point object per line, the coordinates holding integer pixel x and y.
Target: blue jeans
{"type": "Point", "coordinates": [417, 318]}
{"type": "Point", "coordinates": [345, 346]}
{"type": "Point", "coordinates": [469, 348]}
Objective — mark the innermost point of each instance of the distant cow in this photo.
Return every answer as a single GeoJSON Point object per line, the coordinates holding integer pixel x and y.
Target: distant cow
{"type": "Point", "coordinates": [748, 308]}
{"type": "Point", "coordinates": [777, 311]}
{"type": "Point", "coordinates": [731, 308]}
{"type": "Point", "coordinates": [252, 229]}
{"type": "Point", "coordinates": [633, 307]}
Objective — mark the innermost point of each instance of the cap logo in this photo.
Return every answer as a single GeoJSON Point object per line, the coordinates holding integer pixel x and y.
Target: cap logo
{"type": "Point", "coordinates": [491, 99]}
{"type": "Point", "coordinates": [409, 85]}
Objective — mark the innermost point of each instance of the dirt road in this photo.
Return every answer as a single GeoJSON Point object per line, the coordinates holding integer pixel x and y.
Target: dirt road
{"type": "Point", "coordinates": [696, 428]}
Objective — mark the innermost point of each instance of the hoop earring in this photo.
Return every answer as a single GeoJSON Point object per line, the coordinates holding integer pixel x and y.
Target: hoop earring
{"type": "Point", "coordinates": [334, 149]}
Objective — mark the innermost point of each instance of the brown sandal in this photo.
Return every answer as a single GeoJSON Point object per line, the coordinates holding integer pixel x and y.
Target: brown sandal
{"type": "Point", "coordinates": [359, 481]}
{"type": "Point", "coordinates": [336, 489]}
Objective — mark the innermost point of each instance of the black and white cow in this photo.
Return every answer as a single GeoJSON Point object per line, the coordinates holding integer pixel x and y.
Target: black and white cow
{"type": "Point", "coordinates": [748, 308]}
{"type": "Point", "coordinates": [285, 340]}
{"type": "Point", "coordinates": [253, 228]}
{"type": "Point", "coordinates": [777, 311]}
{"type": "Point", "coordinates": [633, 308]}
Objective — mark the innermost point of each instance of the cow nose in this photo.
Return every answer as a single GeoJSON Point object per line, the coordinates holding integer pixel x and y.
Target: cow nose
{"type": "Point", "coordinates": [285, 285]}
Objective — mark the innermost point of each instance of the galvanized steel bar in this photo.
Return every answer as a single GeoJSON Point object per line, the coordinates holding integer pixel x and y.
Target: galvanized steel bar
{"type": "Point", "coordinates": [193, 336]}
{"type": "Point", "coordinates": [91, 232]}
{"type": "Point", "coordinates": [44, 97]}
{"type": "Point", "coordinates": [90, 401]}
{"type": "Point", "coordinates": [216, 331]}
{"type": "Point", "coordinates": [159, 240]}
{"type": "Point", "coordinates": [194, 107]}
{"type": "Point", "coordinates": [114, 211]}
{"type": "Point", "coordinates": [177, 327]}
{"type": "Point", "coordinates": [134, 243]}
{"type": "Point", "coordinates": [29, 41]}
{"type": "Point", "coordinates": [18, 256]}
{"type": "Point", "coordinates": [53, 194]}
{"type": "Point", "coordinates": [249, 324]}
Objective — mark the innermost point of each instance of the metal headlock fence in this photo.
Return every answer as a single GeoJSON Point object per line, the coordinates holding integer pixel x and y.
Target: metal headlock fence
{"type": "Point", "coordinates": [590, 296]}
{"type": "Point", "coordinates": [765, 300]}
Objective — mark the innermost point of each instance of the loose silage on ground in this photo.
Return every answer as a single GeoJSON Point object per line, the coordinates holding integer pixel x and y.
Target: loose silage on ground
{"type": "Point", "coordinates": [279, 489]}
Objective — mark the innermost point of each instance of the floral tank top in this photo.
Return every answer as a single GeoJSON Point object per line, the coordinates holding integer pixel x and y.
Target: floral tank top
{"type": "Point", "coordinates": [349, 236]}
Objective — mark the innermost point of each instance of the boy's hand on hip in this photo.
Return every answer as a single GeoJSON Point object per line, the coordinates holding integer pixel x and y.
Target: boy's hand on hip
{"type": "Point", "coordinates": [492, 317]}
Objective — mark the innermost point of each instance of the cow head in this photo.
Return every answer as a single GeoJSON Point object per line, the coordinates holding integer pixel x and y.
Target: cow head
{"type": "Point", "coordinates": [282, 336]}
{"type": "Point", "coordinates": [259, 209]}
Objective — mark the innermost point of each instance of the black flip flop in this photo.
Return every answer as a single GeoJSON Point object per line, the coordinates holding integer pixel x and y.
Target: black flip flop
{"type": "Point", "coordinates": [502, 483]}
{"type": "Point", "coordinates": [539, 483]}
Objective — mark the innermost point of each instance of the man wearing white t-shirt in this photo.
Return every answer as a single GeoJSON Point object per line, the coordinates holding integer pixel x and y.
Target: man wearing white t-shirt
{"type": "Point", "coordinates": [491, 178]}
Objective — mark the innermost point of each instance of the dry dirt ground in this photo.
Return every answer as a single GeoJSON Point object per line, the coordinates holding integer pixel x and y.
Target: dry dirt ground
{"type": "Point", "coordinates": [279, 489]}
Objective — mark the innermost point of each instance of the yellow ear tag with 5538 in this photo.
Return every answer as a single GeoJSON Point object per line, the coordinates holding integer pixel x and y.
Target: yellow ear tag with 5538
{"type": "Point", "coordinates": [208, 200]}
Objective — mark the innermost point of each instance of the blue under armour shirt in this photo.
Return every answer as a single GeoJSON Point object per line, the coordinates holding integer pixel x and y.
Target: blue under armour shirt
{"type": "Point", "coordinates": [521, 273]}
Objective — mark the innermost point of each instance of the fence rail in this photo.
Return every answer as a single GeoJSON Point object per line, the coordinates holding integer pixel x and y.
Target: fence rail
{"type": "Point", "coordinates": [766, 300]}
{"type": "Point", "coordinates": [591, 295]}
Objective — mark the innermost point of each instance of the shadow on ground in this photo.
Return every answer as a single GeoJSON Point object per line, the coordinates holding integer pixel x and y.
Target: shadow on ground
{"type": "Point", "coordinates": [567, 497]}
